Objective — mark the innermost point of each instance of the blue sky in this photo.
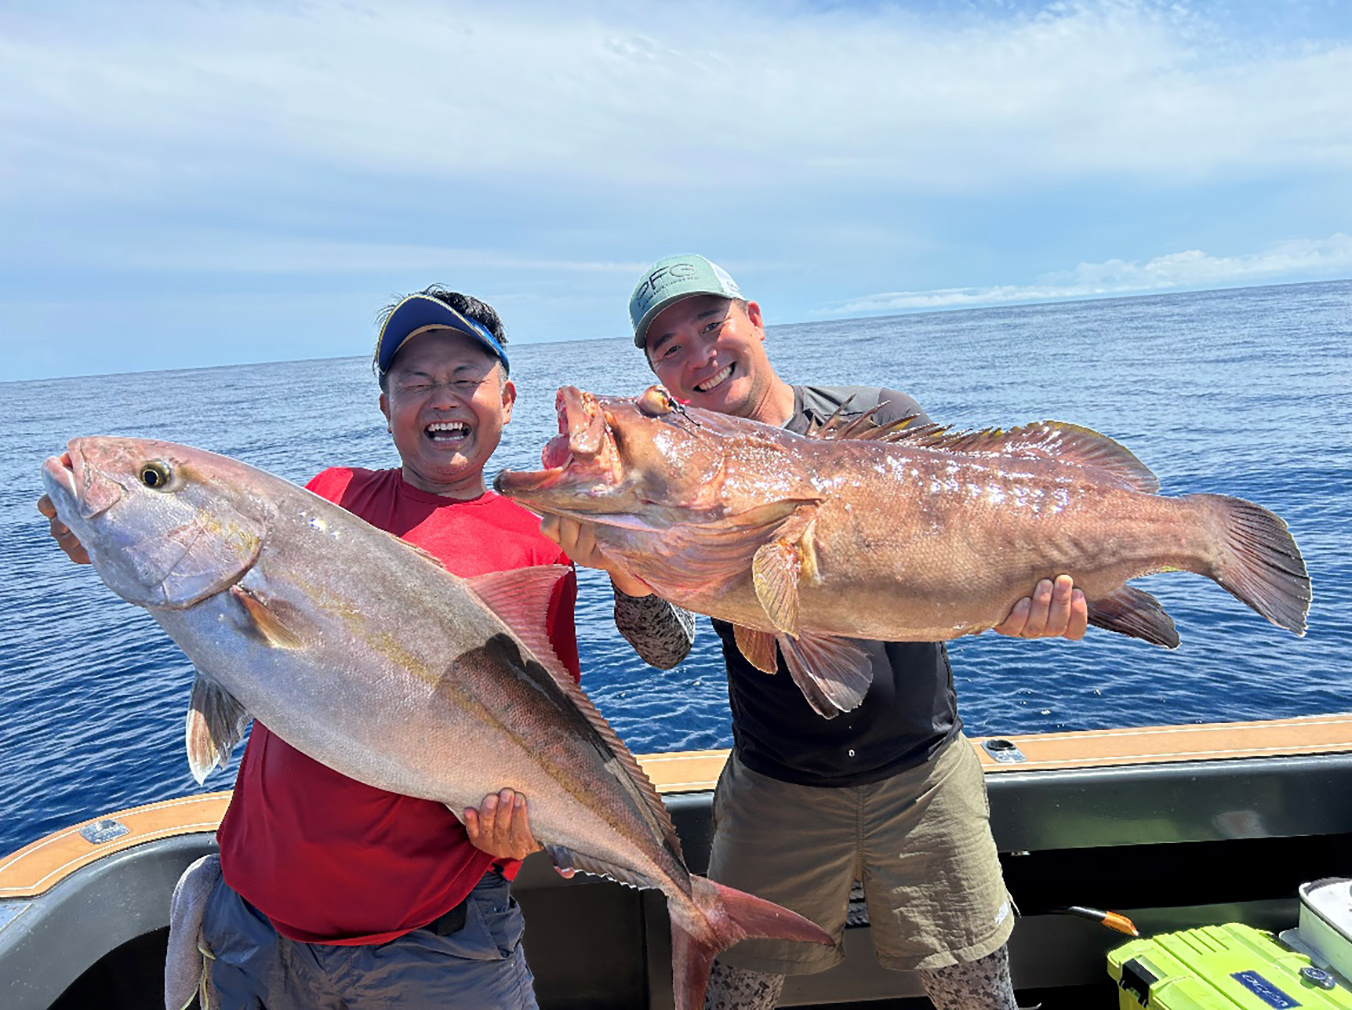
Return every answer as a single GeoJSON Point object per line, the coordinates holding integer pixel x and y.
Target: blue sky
{"type": "Point", "coordinates": [211, 183]}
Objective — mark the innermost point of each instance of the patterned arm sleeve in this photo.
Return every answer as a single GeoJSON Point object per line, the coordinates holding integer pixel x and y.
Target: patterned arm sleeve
{"type": "Point", "coordinates": [660, 632]}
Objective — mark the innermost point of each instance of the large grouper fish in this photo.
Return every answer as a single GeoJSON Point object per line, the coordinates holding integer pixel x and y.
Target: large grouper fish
{"type": "Point", "coordinates": [366, 654]}
{"type": "Point", "coordinates": [888, 532]}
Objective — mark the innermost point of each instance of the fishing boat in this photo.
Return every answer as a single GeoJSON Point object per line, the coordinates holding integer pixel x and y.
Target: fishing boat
{"type": "Point", "coordinates": [1173, 826]}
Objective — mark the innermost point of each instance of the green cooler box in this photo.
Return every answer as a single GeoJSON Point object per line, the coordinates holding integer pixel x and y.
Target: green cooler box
{"type": "Point", "coordinates": [1231, 967]}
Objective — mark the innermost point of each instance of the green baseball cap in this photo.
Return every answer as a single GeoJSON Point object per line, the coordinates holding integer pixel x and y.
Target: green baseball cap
{"type": "Point", "coordinates": [671, 279]}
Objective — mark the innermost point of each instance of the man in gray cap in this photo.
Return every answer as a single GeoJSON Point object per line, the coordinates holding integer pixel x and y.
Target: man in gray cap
{"type": "Point", "coordinates": [890, 794]}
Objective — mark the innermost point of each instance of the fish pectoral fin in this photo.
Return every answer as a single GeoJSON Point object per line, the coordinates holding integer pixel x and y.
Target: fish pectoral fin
{"type": "Point", "coordinates": [779, 566]}
{"type": "Point", "coordinates": [775, 569]}
{"type": "Point", "coordinates": [757, 648]}
{"type": "Point", "coordinates": [215, 723]}
{"type": "Point", "coordinates": [833, 673]}
{"type": "Point", "coordinates": [520, 597]}
{"type": "Point", "coordinates": [264, 620]}
{"type": "Point", "coordinates": [1134, 612]}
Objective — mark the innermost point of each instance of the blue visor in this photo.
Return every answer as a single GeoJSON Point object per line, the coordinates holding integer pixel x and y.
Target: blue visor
{"type": "Point", "coordinates": [418, 312]}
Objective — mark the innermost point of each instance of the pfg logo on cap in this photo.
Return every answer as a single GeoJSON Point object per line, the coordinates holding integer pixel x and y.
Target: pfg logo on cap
{"type": "Point", "coordinates": [665, 276]}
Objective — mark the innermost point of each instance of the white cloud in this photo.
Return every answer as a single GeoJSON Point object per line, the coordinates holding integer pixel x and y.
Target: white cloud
{"type": "Point", "coordinates": [648, 95]}
{"type": "Point", "coordinates": [208, 252]}
{"type": "Point", "coordinates": [1298, 258]}
{"type": "Point", "coordinates": [241, 149]}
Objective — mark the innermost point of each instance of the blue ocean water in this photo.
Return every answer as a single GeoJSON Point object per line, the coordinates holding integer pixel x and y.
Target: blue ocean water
{"type": "Point", "coordinates": [1244, 392]}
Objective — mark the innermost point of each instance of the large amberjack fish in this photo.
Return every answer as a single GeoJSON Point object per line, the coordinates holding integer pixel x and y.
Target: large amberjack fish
{"type": "Point", "coordinates": [366, 654]}
{"type": "Point", "coordinates": [864, 531]}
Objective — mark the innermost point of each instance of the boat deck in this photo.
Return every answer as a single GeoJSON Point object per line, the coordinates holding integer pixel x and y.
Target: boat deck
{"type": "Point", "coordinates": [1175, 826]}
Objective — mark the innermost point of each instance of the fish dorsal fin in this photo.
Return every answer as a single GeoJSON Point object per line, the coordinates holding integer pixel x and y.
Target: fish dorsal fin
{"type": "Point", "coordinates": [1058, 441]}
{"type": "Point", "coordinates": [864, 427]}
{"type": "Point", "coordinates": [422, 552]}
{"type": "Point", "coordinates": [520, 598]}
{"type": "Point", "coordinates": [216, 722]}
{"type": "Point", "coordinates": [632, 773]}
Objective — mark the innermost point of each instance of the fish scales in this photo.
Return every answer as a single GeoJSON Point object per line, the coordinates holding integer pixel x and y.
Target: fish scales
{"type": "Point", "coordinates": [870, 532]}
{"type": "Point", "coordinates": [409, 720]}
{"type": "Point", "coordinates": [364, 653]}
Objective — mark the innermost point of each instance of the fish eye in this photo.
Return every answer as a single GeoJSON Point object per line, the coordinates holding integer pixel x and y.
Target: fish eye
{"type": "Point", "coordinates": [155, 475]}
{"type": "Point", "coordinates": [656, 402]}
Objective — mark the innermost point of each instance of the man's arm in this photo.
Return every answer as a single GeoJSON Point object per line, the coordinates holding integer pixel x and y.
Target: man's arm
{"type": "Point", "coordinates": [894, 405]}
{"type": "Point", "coordinates": [660, 632]}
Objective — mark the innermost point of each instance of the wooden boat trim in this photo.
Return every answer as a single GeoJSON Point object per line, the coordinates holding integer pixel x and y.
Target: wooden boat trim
{"type": "Point", "coordinates": [1308, 735]}
{"type": "Point", "coordinates": [37, 867]}
{"type": "Point", "coordinates": [697, 771]}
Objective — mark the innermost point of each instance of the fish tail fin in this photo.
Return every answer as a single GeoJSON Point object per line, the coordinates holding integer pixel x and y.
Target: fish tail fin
{"type": "Point", "coordinates": [1257, 561]}
{"type": "Point", "coordinates": [723, 916]}
{"type": "Point", "coordinates": [187, 973]}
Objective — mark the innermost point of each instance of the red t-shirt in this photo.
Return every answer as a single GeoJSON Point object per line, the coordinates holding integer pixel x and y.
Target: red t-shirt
{"type": "Point", "coordinates": [329, 859]}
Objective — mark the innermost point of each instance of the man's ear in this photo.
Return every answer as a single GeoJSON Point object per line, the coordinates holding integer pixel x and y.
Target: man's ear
{"type": "Point", "coordinates": [508, 399]}
{"type": "Point", "coordinates": [753, 313]}
{"type": "Point", "coordinates": [385, 409]}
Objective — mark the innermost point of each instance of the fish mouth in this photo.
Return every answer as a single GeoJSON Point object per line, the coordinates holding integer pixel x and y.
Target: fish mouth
{"type": "Point", "coordinates": [71, 477]}
{"type": "Point", "coordinates": [584, 448]}
{"type": "Point", "coordinates": [60, 474]}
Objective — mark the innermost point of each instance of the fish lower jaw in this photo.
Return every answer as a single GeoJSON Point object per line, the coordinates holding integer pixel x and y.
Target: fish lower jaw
{"type": "Point", "coordinates": [59, 475]}
{"type": "Point", "coordinates": [517, 482]}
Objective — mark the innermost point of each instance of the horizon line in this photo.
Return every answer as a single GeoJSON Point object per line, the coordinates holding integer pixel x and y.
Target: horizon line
{"type": "Point", "coordinates": [1013, 303]}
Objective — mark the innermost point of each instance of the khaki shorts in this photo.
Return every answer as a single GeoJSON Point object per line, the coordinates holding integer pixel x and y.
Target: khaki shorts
{"type": "Point", "coordinates": [920, 842]}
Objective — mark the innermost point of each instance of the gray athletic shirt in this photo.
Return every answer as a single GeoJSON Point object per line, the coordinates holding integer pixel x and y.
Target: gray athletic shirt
{"type": "Point", "coordinates": [909, 711]}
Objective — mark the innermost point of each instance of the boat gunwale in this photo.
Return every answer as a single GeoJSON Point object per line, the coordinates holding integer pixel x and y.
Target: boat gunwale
{"type": "Point", "coordinates": [40, 865]}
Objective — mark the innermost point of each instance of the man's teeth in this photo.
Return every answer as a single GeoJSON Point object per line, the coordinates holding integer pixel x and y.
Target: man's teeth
{"type": "Point", "coordinates": [709, 384]}
{"type": "Point", "coordinates": [448, 429]}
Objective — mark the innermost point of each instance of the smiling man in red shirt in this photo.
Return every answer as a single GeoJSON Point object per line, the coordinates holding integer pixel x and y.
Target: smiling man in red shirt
{"type": "Point", "coordinates": [369, 893]}
{"type": "Point", "coordinates": [335, 895]}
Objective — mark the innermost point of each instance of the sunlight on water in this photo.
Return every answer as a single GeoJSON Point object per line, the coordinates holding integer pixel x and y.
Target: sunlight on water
{"type": "Point", "coordinates": [1240, 392]}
